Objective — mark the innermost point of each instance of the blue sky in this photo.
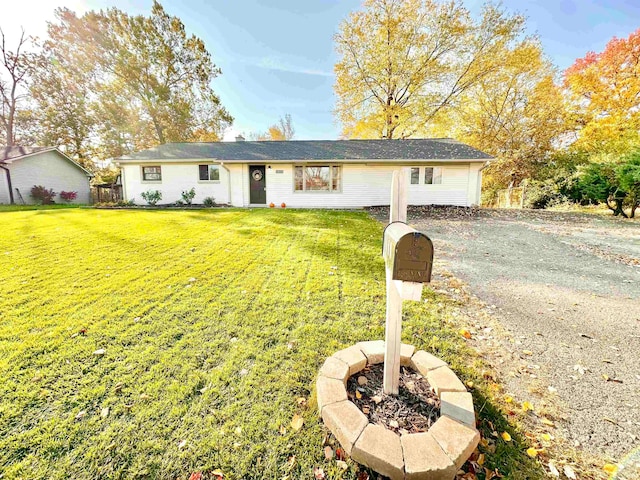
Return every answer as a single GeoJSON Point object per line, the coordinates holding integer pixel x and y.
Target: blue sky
{"type": "Point", "coordinates": [277, 55]}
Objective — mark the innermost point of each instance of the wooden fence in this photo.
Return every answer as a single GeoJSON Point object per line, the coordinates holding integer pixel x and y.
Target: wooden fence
{"type": "Point", "coordinates": [513, 197]}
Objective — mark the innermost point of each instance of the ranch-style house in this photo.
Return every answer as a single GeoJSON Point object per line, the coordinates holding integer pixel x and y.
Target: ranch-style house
{"type": "Point", "coordinates": [301, 173]}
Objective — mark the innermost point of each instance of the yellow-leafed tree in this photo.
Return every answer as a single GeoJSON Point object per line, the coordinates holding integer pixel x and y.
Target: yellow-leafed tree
{"type": "Point", "coordinates": [402, 62]}
{"type": "Point", "coordinates": [515, 113]}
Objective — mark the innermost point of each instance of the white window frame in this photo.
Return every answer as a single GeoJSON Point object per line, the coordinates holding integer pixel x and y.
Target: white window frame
{"type": "Point", "coordinates": [331, 170]}
{"type": "Point", "coordinates": [436, 175]}
{"type": "Point", "coordinates": [209, 180]}
{"type": "Point", "coordinates": [411, 176]}
{"type": "Point", "coordinates": [142, 173]}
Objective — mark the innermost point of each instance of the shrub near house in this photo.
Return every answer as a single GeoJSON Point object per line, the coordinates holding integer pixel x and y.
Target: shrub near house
{"type": "Point", "coordinates": [68, 196]}
{"type": "Point", "coordinates": [43, 195]}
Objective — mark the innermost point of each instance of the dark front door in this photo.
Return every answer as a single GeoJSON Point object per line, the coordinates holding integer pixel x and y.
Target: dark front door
{"type": "Point", "coordinates": [257, 185]}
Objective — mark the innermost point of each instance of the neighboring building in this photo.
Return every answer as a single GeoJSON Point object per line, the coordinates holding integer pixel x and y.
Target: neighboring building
{"type": "Point", "coordinates": [23, 167]}
{"type": "Point", "coordinates": [319, 174]}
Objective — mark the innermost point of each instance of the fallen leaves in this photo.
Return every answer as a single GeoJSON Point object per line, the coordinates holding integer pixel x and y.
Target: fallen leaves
{"type": "Point", "coordinates": [533, 452]}
{"type": "Point", "coordinates": [506, 436]}
{"type": "Point", "coordinates": [465, 333]}
{"type": "Point", "coordinates": [568, 471]}
{"type": "Point", "coordinates": [100, 352]}
{"type": "Point", "coordinates": [580, 369]}
{"type": "Point", "coordinates": [328, 452]}
{"type": "Point", "coordinates": [104, 413]}
{"type": "Point", "coordinates": [318, 473]}
{"type": "Point", "coordinates": [297, 422]}
{"type": "Point", "coordinates": [610, 468]}
{"type": "Point", "coordinates": [527, 406]}
{"type": "Point", "coordinates": [607, 378]}
{"type": "Point", "coordinates": [80, 415]}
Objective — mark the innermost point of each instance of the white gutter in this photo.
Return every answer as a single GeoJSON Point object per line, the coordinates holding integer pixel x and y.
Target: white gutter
{"type": "Point", "coordinates": [228, 180]}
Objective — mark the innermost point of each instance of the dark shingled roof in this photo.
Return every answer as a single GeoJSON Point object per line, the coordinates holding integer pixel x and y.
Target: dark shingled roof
{"type": "Point", "coordinates": [309, 150]}
{"type": "Point", "coordinates": [7, 153]}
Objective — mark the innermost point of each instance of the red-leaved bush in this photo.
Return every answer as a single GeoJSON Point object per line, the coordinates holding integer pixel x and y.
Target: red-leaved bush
{"type": "Point", "coordinates": [68, 196]}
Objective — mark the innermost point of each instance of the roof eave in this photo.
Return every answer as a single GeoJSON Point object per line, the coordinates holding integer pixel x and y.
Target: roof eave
{"type": "Point", "coordinates": [52, 149]}
{"type": "Point", "coordinates": [133, 161]}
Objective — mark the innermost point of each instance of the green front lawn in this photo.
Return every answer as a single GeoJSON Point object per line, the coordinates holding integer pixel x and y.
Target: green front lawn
{"type": "Point", "coordinates": [213, 325]}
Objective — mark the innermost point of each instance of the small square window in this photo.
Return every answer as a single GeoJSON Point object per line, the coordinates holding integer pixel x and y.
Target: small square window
{"type": "Point", "coordinates": [151, 174]}
{"type": "Point", "coordinates": [415, 176]}
{"type": "Point", "coordinates": [209, 172]}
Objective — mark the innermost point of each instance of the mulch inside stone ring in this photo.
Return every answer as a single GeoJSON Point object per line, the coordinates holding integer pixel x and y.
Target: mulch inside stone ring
{"type": "Point", "coordinates": [413, 410]}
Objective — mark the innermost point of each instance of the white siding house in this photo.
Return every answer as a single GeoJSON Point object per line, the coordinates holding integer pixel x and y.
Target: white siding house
{"type": "Point", "coordinates": [307, 174]}
{"type": "Point", "coordinates": [25, 167]}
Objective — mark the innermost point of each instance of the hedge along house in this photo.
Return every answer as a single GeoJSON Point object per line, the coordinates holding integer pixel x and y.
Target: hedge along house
{"type": "Point", "coordinates": [318, 174]}
{"type": "Point", "coordinates": [21, 168]}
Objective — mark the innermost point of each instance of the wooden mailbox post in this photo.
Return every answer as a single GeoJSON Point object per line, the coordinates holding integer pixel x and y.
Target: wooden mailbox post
{"type": "Point", "coordinates": [408, 256]}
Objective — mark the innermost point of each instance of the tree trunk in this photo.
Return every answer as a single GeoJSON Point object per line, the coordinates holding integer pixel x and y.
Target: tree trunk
{"type": "Point", "coordinates": [159, 129]}
{"type": "Point", "coordinates": [617, 207]}
{"type": "Point", "coordinates": [10, 124]}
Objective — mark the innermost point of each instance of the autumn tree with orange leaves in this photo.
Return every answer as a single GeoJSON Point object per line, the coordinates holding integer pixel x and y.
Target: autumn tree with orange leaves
{"type": "Point", "coordinates": [604, 90]}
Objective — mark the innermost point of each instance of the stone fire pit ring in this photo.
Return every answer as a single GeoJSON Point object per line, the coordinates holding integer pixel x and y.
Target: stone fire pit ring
{"type": "Point", "coordinates": [436, 454]}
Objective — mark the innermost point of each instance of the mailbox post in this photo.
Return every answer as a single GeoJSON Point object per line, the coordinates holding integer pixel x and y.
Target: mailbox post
{"type": "Point", "coordinates": [408, 256]}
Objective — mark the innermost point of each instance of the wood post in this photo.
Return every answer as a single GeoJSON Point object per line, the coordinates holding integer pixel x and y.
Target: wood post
{"type": "Point", "coordinates": [398, 205]}
{"type": "Point", "coordinates": [396, 290]}
{"type": "Point", "coordinates": [392, 337]}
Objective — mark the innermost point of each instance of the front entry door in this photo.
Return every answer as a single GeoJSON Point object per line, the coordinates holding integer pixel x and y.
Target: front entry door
{"type": "Point", "coordinates": [257, 185]}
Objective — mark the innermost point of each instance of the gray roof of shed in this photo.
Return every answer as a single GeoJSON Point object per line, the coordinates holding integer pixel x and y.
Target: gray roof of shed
{"type": "Point", "coordinates": [310, 150]}
{"type": "Point", "coordinates": [10, 154]}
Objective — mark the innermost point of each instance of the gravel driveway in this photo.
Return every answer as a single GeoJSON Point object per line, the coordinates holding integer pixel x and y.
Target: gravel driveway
{"type": "Point", "coordinates": [566, 287]}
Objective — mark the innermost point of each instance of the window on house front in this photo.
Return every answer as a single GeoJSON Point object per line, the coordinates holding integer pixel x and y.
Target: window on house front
{"type": "Point", "coordinates": [433, 175]}
{"type": "Point", "coordinates": [151, 174]}
{"type": "Point", "coordinates": [322, 178]}
{"type": "Point", "coordinates": [209, 172]}
{"type": "Point", "coordinates": [415, 176]}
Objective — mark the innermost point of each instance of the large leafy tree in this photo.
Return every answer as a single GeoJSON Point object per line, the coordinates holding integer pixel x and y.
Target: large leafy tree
{"type": "Point", "coordinates": [62, 107]}
{"type": "Point", "coordinates": [145, 80]}
{"type": "Point", "coordinates": [402, 62]}
{"type": "Point", "coordinates": [605, 93]}
{"type": "Point", "coordinates": [515, 113]}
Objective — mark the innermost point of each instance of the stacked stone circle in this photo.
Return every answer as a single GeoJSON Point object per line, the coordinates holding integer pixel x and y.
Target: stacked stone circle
{"type": "Point", "coordinates": [436, 454]}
